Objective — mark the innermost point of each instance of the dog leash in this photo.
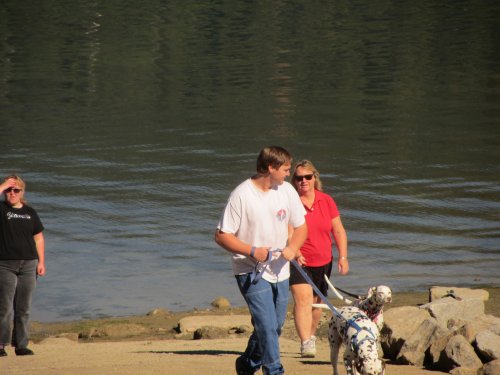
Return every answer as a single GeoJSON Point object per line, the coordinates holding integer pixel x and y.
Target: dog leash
{"type": "Point", "coordinates": [316, 289]}
{"type": "Point", "coordinates": [350, 294]}
{"type": "Point", "coordinates": [349, 322]}
{"type": "Point", "coordinates": [255, 276]}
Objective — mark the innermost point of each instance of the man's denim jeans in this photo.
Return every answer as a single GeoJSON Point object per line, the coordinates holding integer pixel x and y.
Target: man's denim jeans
{"type": "Point", "coordinates": [17, 284]}
{"type": "Point", "coordinates": [267, 303]}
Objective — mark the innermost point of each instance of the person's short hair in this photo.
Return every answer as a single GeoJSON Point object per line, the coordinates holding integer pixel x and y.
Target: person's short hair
{"type": "Point", "coordinates": [272, 156]}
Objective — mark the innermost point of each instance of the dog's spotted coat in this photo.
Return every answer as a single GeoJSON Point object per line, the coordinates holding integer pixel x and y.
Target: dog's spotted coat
{"type": "Point", "coordinates": [360, 336]}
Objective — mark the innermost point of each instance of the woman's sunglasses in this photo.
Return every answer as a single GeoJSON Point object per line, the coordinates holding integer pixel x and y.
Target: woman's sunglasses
{"type": "Point", "coordinates": [308, 177]}
{"type": "Point", "coordinates": [14, 190]}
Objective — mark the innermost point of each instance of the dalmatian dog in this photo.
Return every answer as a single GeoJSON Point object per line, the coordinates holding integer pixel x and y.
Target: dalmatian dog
{"type": "Point", "coordinates": [372, 304]}
{"type": "Point", "coordinates": [351, 326]}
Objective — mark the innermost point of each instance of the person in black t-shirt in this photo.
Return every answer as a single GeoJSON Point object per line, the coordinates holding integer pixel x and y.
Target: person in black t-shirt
{"type": "Point", "coordinates": [22, 258]}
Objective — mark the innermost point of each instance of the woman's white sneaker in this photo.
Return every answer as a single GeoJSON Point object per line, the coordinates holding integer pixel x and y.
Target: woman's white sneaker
{"type": "Point", "coordinates": [308, 348]}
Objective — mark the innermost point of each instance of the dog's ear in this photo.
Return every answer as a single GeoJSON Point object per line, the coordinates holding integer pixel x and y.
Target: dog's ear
{"type": "Point", "coordinates": [371, 292]}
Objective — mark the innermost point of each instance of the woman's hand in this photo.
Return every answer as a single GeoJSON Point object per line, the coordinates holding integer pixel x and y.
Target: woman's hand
{"type": "Point", "coordinates": [8, 184]}
{"type": "Point", "coordinates": [301, 260]}
{"type": "Point", "coordinates": [40, 249]}
{"type": "Point", "coordinates": [343, 264]}
{"type": "Point", "coordinates": [40, 269]}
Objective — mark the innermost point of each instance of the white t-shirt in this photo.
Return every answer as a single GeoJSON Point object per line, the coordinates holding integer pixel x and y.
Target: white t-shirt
{"type": "Point", "coordinates": [261, 219]}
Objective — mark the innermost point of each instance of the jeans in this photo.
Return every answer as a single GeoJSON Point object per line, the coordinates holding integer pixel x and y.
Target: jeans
{"type": "Point", "coordinates": [267, 303]}
{"type": "Point", "coordinates": [17, 284]}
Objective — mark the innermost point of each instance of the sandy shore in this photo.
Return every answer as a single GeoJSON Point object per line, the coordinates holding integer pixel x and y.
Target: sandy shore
{"type": "Point", "coordinates": [187, 357]}
{"type": "Point", "coordinates": [150, 344]}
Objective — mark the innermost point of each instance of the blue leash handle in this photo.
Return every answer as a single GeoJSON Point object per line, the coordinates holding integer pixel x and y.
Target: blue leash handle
{"type": "Point", "coordinates": [256, 276]}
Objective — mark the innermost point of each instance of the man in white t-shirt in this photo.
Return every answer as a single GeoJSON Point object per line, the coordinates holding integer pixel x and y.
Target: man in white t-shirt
{"type": "Point", "coordinates": [255, 227]}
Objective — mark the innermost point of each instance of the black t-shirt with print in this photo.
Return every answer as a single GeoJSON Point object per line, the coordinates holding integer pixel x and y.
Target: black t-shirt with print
{"type": "Point", "coordinates": [17, 228]}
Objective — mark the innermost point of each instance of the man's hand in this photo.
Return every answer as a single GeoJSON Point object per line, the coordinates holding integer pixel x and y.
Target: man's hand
{"type": "Point", "coordinates": [261, 253]}
{"type": "Point", "coordinates": [288, 253]}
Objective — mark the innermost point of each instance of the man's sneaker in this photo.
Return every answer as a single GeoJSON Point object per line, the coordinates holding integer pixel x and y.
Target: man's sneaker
{"type": "Point", "coordinates": [242, 368]}
{"type": "Point", "coordinates": [308, 348]}
{"type": "Point", "coordinates": [24, 351]}
{"type": "Point", "coordinates": [3, 353]}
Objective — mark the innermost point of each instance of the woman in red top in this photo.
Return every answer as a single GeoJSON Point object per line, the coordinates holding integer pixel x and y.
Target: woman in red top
{"type": "Point", "coordinates": [323, 226]}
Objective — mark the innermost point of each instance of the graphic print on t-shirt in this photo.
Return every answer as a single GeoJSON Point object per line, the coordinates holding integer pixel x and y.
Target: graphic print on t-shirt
{"type": "Point", "coordinates": [12, 215]}
{"type": "Point", "coordinates": [281, 215]}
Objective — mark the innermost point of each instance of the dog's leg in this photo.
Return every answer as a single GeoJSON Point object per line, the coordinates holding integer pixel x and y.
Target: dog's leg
{"type": "Point", "coordinates": [349, 359]}
{"type": "Point", "coordinates": [335, 342]}
{"type": "Point", "coordinates": [350, 367]}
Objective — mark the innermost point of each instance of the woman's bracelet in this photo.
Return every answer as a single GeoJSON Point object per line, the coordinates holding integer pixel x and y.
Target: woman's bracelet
{"type": "Point", "coordinates": [252, 251]}
{"type": "Point", "coordinates": [342, 258]}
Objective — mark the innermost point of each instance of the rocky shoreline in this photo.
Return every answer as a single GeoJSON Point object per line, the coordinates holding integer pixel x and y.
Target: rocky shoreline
{"type": "Point", "coordinates": [451, 333]}
{"type": "Point", "coordinates": [223, 321]}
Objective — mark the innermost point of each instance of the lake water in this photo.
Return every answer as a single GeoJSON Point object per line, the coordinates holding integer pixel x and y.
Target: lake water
{"type": "Point", "coordinates": [132, 121]}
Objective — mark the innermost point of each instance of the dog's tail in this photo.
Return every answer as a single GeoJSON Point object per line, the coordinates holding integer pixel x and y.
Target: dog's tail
{"type": "Point", "coordinates": [339, 296]}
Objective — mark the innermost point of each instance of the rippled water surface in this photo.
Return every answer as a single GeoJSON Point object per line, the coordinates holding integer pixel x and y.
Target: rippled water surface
{"type": "Point", "coordinates": [132, 124]}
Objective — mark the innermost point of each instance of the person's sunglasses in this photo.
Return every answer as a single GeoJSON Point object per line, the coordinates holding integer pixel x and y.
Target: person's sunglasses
{"type": "Point", "coordinates": [14, 190]}
{"type": "Point", "coordinates": [308, 177]}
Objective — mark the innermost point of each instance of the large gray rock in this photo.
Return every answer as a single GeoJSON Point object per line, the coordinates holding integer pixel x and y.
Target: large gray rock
{"type": "Point", "coordinates": [221, 303]}
{"type": "Point", "coordinates": [470, 330]}
{"type": "Point", "coordinates": [123, 330]}
{"type": "Point", "coordinates": [492, 368]}
{"type": "Point", "coordinates": [434, 356]}
{"type": "Point", "coordinates": [483, 323]}
{"type": "Point", "coordinates": [192, 323]}
{"type": "Point", "coordinates": [158, 312]}
{"type": "Point", "coordinates": [399, 325]}
{"type": "Point", "coordinates": [448, 308]}
{"type": "Point", "coordinates": [437, 292]}
{"type": "Point", "coordinates": [210, 333]}
{"type": "Point", "coordinates": [120, 330]}
{"type": "Point", "coordinates": [459, 353]}
{"type": "Point", "coordinates": [415, 346]}
{"type": "Point", "coordinates": [488, 345]}
{"type": "Point", "coordinates": [493, 323]}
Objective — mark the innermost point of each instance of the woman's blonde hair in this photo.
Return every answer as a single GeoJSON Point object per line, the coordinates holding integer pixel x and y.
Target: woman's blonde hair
{"type": "Point", "coordinates": [20, 183]}
{"type": "Point", "coordinates": [318, 185]}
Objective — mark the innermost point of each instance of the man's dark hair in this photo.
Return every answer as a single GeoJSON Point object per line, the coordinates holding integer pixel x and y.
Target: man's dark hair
{"type": "Point", "coordinates": [273, 156]}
